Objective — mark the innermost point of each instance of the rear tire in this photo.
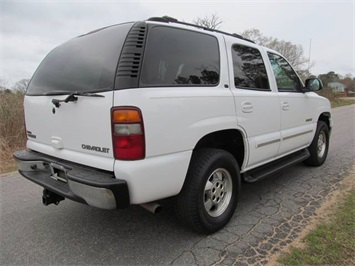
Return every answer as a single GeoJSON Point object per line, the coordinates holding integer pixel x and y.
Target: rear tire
{"type": "Point", "coordinates": [211, 191]}
{"type": "Point", "coordinates": [319, 147]}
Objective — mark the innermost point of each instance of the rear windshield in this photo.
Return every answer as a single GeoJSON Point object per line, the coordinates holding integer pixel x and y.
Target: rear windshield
{"type": "Point", "coordinates": [86, 63]}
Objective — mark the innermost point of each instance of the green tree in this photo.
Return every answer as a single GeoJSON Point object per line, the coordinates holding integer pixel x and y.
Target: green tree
{"type": "Point", "coordinates": [329, 77]}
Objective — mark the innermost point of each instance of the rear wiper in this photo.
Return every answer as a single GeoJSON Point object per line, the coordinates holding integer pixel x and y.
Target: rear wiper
{"type": "Point", "coordinates": [72, 97]}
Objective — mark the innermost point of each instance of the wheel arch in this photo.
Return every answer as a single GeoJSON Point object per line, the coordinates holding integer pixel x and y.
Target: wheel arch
{"type": "Point", "coordinates": [326, 118]}
{"type": "Point", "coordinates": [230, 140]}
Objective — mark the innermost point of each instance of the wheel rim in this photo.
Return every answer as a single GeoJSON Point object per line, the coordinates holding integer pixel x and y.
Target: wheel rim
{"type": "Point", "coordinates": [321, 145]}
{"type": "Point", "coordinates": [218, 192]}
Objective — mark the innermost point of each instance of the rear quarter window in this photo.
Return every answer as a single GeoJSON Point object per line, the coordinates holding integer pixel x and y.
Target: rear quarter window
{"type": "Point", "coordinates": [177, 57]}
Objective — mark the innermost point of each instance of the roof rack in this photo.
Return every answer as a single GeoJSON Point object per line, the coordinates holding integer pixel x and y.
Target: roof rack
{"type": "Point", "coordinates": [167, 19]}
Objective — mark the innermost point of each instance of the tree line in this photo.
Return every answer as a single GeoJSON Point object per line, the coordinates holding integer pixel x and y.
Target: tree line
{"type": "Point", "coordinates": [292, 52]}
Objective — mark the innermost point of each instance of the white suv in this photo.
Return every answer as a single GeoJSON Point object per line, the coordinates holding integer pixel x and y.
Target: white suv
{"type": "Point", "coordinates": [138, 112]}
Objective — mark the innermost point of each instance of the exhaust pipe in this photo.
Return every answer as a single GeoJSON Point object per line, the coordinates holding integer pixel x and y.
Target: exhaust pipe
{"type": "Point", "coordinates": [50, 197]}
{"type": "Point", "coordinates": [153, 207]}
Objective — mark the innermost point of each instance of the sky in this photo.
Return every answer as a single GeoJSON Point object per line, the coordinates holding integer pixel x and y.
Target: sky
{"type": "Point", "coordinates": [31, 29]}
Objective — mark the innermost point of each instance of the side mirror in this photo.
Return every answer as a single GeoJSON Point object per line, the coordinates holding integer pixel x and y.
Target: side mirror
{"type": "Point", "coordinates": [313, 84]}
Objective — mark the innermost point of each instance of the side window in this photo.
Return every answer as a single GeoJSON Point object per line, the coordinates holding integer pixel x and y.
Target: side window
{"type": "Point", "coordinates": [286, 77]}
{"type": "Point", "coordinates": [249, 68]}
{"type": "Point", "coordinates": [175, 57]}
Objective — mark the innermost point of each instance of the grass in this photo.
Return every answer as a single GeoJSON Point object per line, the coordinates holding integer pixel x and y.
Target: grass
{"type": "Point", "coordinates": [334, 98]}
{"type": "Point", "coordinates": [12, 132]}
{"type": "Point", "coordinates": [332, 243]}
{"type": "Point", "coordinates": [342, 102]}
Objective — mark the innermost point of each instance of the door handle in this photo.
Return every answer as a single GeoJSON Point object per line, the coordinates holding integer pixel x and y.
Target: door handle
{"type": "Point", "coordinates": [247, 107]}
{"type": "Point", "coordinates": [285, 106]}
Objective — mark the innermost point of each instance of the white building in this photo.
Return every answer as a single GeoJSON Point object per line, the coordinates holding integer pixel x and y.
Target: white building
{"type": "Point", "coordinates": [336, 86]}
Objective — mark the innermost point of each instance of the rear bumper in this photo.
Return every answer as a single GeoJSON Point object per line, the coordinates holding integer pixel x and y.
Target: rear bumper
{"type": "Point", "coordinates": [73, 181]}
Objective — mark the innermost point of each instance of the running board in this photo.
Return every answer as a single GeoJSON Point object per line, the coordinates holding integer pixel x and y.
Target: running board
{"type": "Point", "coordinates": [273, 167]}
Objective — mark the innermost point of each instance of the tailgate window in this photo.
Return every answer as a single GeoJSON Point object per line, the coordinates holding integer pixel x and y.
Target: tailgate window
{"type": "Point", "coordinates": [86, 63]}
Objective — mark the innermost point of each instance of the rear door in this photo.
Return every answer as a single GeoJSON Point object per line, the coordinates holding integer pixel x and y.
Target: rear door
{"type": "Point", "coordinates": [78, 129]}
{"type": "Point", "coordinates": [257, 105]}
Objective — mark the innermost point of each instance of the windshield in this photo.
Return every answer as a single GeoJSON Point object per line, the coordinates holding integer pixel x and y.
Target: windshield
{"type": "Point", "coordinates": [86, 63]}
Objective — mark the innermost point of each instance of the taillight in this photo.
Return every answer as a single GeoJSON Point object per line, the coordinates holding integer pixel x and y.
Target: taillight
{"type": "Point", "coordinates": [128, 133]}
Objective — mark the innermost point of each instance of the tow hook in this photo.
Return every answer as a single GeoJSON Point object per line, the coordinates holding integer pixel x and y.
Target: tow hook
{"type": "Point", "coordinates": [50, 197]}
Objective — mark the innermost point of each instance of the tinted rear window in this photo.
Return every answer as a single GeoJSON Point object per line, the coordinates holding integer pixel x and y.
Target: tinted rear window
{"type": "Point", "coordinates": [249, 68]}
{"type": "Point", "coordinates": [175, 57]}
{"type": "Point", "coordinates": [86, 63]}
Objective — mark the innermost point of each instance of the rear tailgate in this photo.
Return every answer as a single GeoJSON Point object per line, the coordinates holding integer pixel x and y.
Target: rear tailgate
{"type": "Point", "coordinates": [76, 131]}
